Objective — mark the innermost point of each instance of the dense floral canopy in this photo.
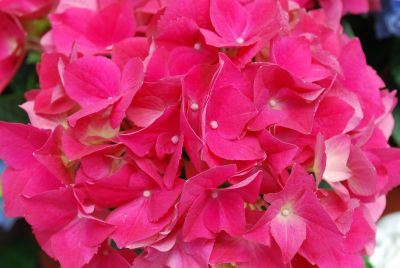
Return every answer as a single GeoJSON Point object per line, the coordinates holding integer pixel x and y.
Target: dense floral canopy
{"type": "Point", "coordinates": [250, 133]}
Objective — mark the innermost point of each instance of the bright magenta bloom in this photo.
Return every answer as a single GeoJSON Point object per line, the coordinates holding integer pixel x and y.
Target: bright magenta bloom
{"type": "Point", "coordinates": [201, 133]}
{"type": "Point", "coordinates": [12, 47]}
{"type": "Point", "coordinates": [27, 8]}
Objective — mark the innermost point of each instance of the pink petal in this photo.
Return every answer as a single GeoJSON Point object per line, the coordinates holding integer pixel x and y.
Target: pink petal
{"type": "Point", "coordinates": [182, 59]}
{"type": "Point", "coordinates": [229, 18]}
{"type": "Point", "coordinates": [319, 158]}
{"type": "Point", "coordinates": [213, 177]}
{"type": "Point", "coordinates": [23, 139]}
{"type": "Point", "coordinates": [194, 226]}
{"type": "Point", "coordinates": [225, 213]}
{"type": "Point", "coordinates": [334, 10]}
{"type": "Point", "coordinates": [173, 171]}
{"type": "Point", "coordinates": [293, 54]}
{"type": "Point", "coordinates": [60, 206]}
{"type": "Point", "coordinates": [112, 24]}
{"type": "Point", "coordinates": [131, 81]}
{"type": "Point", "coordinates": [108, 257]}
{"type": "Point", "coordinates": [133, 224]}
{"type": "Point", "coordinates": [246, 148]}
{"type": "Point", "coordinates": [27, 182]}
{"type": "Point", "coordinates": [135, 47]}
{"type": "Point", "coordinates": [356, 6]}
{"type": "Point", "coordinates": [332, 116]}
{"type": "Point", "coordinates": [30, 9]}
{"type": "Point", "coordinates": [279, 154]}
{"type": "Point", "coordinates": [118, 188]}
{"type": "Point", "coordinates": [152, 100]}
{"type": "Point", "coordinates": [327, 252]}
{"type": "Point", "coordinates": [78, 243]}
{"type": "Point", "coordinates": [12, 47]}
{"type": "Point", "coordinates": [50, 156]}
{"type": "Point", "coordinates": [92, 79]}
{"type": "Point", "coordinates": [289, 234]}
{"type": "Point", "coordinates": [337, 151]}
{"type": "Point", "coordinates": [161, 201]}
{"type": "Point", "coordinates": [132, 76]}
{"type": "Point", "coordinates": [363, 179]}
{"type": "Point", "coordinates": [231, 119]}
{"type": "Point", "coordinates": [142, 141]}
{"type": "Point", "coordinates": [192, 143]}
{"type": "Point", "coordinates": [361, 232]}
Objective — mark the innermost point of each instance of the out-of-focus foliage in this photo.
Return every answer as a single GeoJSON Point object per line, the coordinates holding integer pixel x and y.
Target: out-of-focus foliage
{"type": "Point", "coordinates": [367, 264]}
{"type": "Point", "coordinates": [13, 96]}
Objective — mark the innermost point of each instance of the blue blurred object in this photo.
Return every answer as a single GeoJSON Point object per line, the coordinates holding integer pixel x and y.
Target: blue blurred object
{"type": "Point", "coordinates": [2, 167]}
{"type": "Point", "coordinates": [388, 20]}
{"type": "Point", "coordinates": [5, 223]}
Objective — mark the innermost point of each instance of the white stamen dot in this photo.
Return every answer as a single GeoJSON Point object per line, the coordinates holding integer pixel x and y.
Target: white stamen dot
{"type": "Point", "coordinates": [214, 124]}
{"type": "Point", "coordinates": [285, 212]}
{"type": "Point", "coordinates": [174, 139]}
{"type": "Point", "coordinates": [214, 195]}
{"type": "Point", "coordinates": [194, 106]}
{"type": "Point", "coordinates": [240, 40]}
{"type": "Point", "coordinates": [197, 46]}
{"type": "Point", "coordinates": [109, 98]}
{"type": "Point", "coordinates": [146, 193]}
{"type": "Point", "coordinates": [272, 103]}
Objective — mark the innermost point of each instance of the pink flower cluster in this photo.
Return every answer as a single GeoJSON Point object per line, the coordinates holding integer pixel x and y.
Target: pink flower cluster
{"type": "Point", "coordinates": [180, 133]}
{"type": "Point", "coordinates": [335, 9]}
{"type": "Point", "coordinates": [344, 6]}
{"type": "Point", "coordinates": [12, 34]}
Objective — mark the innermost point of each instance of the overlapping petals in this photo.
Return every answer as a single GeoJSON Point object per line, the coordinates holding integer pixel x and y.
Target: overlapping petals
{"type": "Point", "coordinates": [201, 133]}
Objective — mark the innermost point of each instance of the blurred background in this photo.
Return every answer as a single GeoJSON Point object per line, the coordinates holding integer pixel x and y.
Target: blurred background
{"type": "Point", "coordinates": [380, 37]}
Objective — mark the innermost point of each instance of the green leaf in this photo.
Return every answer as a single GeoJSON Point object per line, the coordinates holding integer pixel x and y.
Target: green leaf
{"type": "Point", "coordinates": [367, 264]}
{"type": "Point", "coordinates": [347, 28]}
{"type": "Point", "coordinates": [9, 109]}
{"type": "Point", "coordinates": [18, 252]}
{"type": "Point", "coordinates": [325, 185]}
{"type": "Point", "coordinates": [25, 79]}
{"type": "Point", "coordinates": [33, 57]}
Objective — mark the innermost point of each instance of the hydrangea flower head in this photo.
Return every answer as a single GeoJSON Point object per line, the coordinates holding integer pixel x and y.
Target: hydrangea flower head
{"type": "Point", "coordinates": [211, 133]}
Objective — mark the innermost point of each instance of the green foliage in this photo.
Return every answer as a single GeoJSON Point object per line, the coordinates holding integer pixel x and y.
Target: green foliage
{"type": "Point", "coordinates": [347, 28]}
{"type": "Point", "coordinates": [18, 250]}
{"type": "Point", "coordinates": [367, 264]}
{"type": "Point", "coordinates": [13, 96]}
{"type": "Point", "coordinates": [325, 185]}
{"type": "Point", "coordinates": [9, 110]}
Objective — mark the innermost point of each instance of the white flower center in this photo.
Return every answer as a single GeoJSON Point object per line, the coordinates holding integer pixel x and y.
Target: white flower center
{"type": "Point", "coordinates": [285, 212]}
{"type": "Point", "coordinates": [197, 46]}
{"type": "Point", "coordinates": [214, 194]}
{"type": "Point", "coordinates": [146, 193]}
{"type": "Point", "coordinates": [214, 124]}
{"type": "Point", "coordinates": [175, 139]}
{"type": "Point", "coordinates": [240, 40]}
{"type": "Point", "coordinates": [194, 106]}
{"type": "Point", "coordinates": [272, 103]}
